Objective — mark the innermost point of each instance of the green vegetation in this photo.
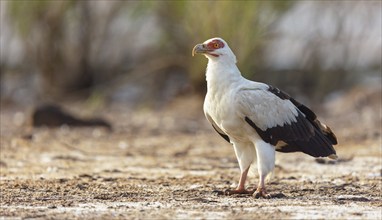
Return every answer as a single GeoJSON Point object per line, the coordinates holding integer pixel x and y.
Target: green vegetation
{"type": "Point", "coordinates": [78, 46]}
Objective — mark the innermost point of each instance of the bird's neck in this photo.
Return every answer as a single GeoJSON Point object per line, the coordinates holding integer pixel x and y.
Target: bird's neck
{"type": "Point", "coordinates": [221, 74]}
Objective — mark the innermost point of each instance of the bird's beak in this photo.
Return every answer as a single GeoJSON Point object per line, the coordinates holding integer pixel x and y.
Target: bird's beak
{"type": "Point", "coordinates": [199, 48]}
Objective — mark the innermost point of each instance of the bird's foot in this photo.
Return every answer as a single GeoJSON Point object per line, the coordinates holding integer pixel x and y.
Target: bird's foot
{"type": "Point", "coordinates": [238, 191]}
{"type": "Point", "coordinates": [261, 192]}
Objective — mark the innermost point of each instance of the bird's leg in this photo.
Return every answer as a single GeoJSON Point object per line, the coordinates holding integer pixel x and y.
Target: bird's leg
{"type": "Point", "coordinates": [240, 189]}
{"type": "Point", "coordinates": [265, 165]}
{"type": "Point", "coordinates": [260, 191]}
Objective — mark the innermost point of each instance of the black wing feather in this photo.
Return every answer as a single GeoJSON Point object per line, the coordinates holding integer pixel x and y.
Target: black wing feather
{"type": "Point", "coordinates": [309, 114]}
{"type": "Point", "coordinates": [222, 135]}
{"type": "Point", "coordinates": [307, 134]}
{"type": "Point", "coordinates": [217, 129]}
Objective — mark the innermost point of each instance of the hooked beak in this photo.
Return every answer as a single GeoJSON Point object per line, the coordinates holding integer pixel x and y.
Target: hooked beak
{"type": "Point", "coordinates": [199, 48]}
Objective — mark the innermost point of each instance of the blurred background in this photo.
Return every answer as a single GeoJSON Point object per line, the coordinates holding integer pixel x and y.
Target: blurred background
{"type": "Point", "coordinates": [138, 53]}
{"type": "Point", "coordinates": [124, 69]}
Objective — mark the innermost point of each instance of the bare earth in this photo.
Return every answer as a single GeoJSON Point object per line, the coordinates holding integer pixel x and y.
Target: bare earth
{"type": "Point", "coordinates": [170, 164]}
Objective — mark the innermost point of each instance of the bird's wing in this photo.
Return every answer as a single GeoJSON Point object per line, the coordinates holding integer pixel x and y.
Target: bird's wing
{"type": "Point", "coordinates": [284, 122]}
{"type": "Point", "coordinates": [309, 114]}
{"type": "Point", "coordinates": [217, 129]}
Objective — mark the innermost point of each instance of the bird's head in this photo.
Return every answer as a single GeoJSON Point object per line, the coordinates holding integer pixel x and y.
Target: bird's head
{"type": "Point", "coordinates": [215, 49]}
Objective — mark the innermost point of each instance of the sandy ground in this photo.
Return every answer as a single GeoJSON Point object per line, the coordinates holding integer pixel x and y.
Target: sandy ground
{"type": "Point", "coordinates": [170, 164]}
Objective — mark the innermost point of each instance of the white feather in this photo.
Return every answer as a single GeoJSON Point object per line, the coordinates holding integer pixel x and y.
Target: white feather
{"type": "Point", "coordinates": [265, 158]}
{"type": "Point", "coordinates": [265, 109]}
{"type": "Point", "coordinates": [245, 154]}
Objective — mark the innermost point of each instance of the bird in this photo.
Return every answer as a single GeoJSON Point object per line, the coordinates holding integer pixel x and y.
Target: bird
{"type": "Point", "coordinates": [257, 119]}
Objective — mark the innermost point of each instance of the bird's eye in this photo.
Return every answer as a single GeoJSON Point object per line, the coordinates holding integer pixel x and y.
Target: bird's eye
{"type": "Point", "coordinates": [216, 45]}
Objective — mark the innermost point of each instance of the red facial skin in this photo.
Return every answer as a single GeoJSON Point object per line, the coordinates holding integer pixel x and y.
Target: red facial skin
{"type": "Point", "coordinates": [213, 45]}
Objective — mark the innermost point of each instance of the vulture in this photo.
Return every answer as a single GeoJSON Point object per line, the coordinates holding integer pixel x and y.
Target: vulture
{"type": "Point", "coordinates": [256, 118]}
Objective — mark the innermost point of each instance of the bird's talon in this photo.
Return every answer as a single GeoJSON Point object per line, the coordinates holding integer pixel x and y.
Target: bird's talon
{"type": "Point", "coordinates": [229, 192]}
{"type": "Point", "coordinates": [262, 193]}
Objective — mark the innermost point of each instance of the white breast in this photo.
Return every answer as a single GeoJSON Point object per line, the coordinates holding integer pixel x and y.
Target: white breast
{"type": "Point", "coordinates": [220, 105]}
